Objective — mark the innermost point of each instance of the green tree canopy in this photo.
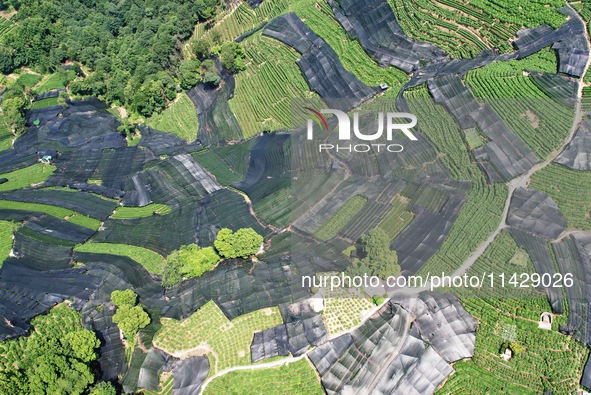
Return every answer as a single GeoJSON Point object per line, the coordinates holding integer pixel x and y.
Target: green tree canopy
{"type": "Point", "coordinates": [122, 298]}
{"type": "Point", "coordinates": [54, 359]}
{"type": "Point", "coordinates": [186, 262]}
{"type": "Point", "coordinates": [376, 257]}
{"type": "Point", "coordinates": [242, 244]}
{"type": "Point", "coordinates": [201, 48]}
{"type": "Point", "coordinates": [131, 47]}
{"type": "Point", "coordinates": [103, 388]}
{"type": "Point", "coordinates": [83, 344]}
{"type": "Point", "coordinates": [211, 78]}
{"type": "Point", "coordinates": [130, 319]}
{"type": "Point", "coordinates": [189, 73]}
{"type": "Point", "coordinates": [232, 57]}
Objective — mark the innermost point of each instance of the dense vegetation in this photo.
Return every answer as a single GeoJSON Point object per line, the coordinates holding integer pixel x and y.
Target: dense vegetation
{"type": "Point", "coordinates": [341, 217]}
{"type": "Point", "coordinates": [179, 118]}
{"type": "Point", "coordinates": [186, 262]}
{"type": "Point", "coordinates": [376, 257]}
{"type": "Point", "coordinates": [240, 244]}
{"type": "Point", "coordinates": [54, 359]}
{"type": "Point", "coordinates": [132, 47]}
{"type": "Point", "coordinates": [150, 260]}
{"type": "Point", "coordinates": [129, 317]}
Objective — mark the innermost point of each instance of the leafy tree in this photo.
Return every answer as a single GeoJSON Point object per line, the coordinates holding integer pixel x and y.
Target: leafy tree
{"type": "Point", "coordinates": [122, 298]}
{"type": "Point", "coordinates": [171, 273]}
{"type": "Point", "coordinates": [211, 78]}
{"type": "Point", "coordinates": [13, 110]}
{"type": "Point", "coordinates": [83, 344]}
{"type": "Point", "coordinates": [54, 359]}
{"type": "Point", "coordinates": [377, 258]}
{"type": "Point", "coordinates": [6, 62]}
{"type": "Point", "coordinates": [130, 319]}
{"type": "Point", "coordinates": [189, 73]}
{"type": "Point", "coordinates": [232, 57]}
{"type": "Point", "coordinates": [242, 244]}
{"type": "Point", "coordinates": [186, 262]}
{"type": "Point", "coordinates": [103, 388]}
{"type": "Point", "coordinates": [201, 48]}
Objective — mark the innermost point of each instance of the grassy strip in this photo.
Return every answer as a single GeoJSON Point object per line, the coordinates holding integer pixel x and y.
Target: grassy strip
{"type": "Point", "coordinates": [25, 177]}
{"type": "Point", "coordinates": [51, 101]}
{"type": "Point", "coordinates": [149, 259]}
{"type": "Point", "coordinates": [397, 218]}
{"type": "Point", "coordinates": [139, 212]}
{"type": "Point", "coordinates": [341, 217]}
{"type": "Point", "coordinates": [6, 231]}
{"type": "Point", "coordinates": [54, 81]}
{"type": "Point", "coordinates": [179, 118]}
{"type": "Point", "coordinates": [292, 378]}
{"type": "Point", "coordinates": [58, 212]}
{"type": "Point", "coordinates": [29, 80]}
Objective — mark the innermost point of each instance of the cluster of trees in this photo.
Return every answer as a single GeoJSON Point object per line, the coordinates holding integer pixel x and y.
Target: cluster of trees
{"type": "Point", "coordinates": [129, 317]}
{"type": "Point", "coordinates": [133, 47]}
{"type": "Point", "coordinates": [15, 101]}
{"type": "Point", "coordinates": [376, 258]}
{"type": "Point", "coordinates": [186, 262]}
{"type": "Point", "coordinates": [192, 260]}
{"type": "Point", "coordinates": [52, 362]}
{"type": "Point", "coordinates": [241, 244]}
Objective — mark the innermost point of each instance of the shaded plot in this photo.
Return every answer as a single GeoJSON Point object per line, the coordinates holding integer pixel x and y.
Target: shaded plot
{"type": "Point", "coordinates": [319, 63]}
{"type": "Point", "coordinates": [81, 202]}
{"type": "Point", "coordinates": [443, 323]}
{"type": "Point", "coordinates": [577, 154]}
{"type": "Point", "coordinates": [305, 333]}
{"type": "Point", "coordinates": [573, 256]}
{"type": "Point", "coordinates": [165, 143]}
{"type": "Point", "coordinates": [388, 353]}
{"type": "Point", "coordinates": [156, 362]}
{"type": "Point", "coordinates": [536, 212]}
{"type": "Point", "coordinates": [189, 374]}
{"type": "Point", "coordinates": [568, 40]}
{"type": "Point", "coordinates": [327, 354]}
{"type": "Point", "coordinates": [39, 253]}
{"type": "Point", "coordinates": [539, 251]}
{"type": "Point", "coordinates": [425, 234]}
{"type": "Point", "coordinates": [216, 121]}
{"type": "Point", "coordinates": [373, 23]}
{"type": "Point", "coordinates": [59, 228]}
{"type": "Point", "coordinates": [268, 167]}
{"type": "Point", "coordinates": [269, 343]}
{"type": "Point", "coordinates": [559, 87]}
{"type": "Point", "coordinates": [505, 156]}
{"type": "Point", "coordinates": [26, 292]}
